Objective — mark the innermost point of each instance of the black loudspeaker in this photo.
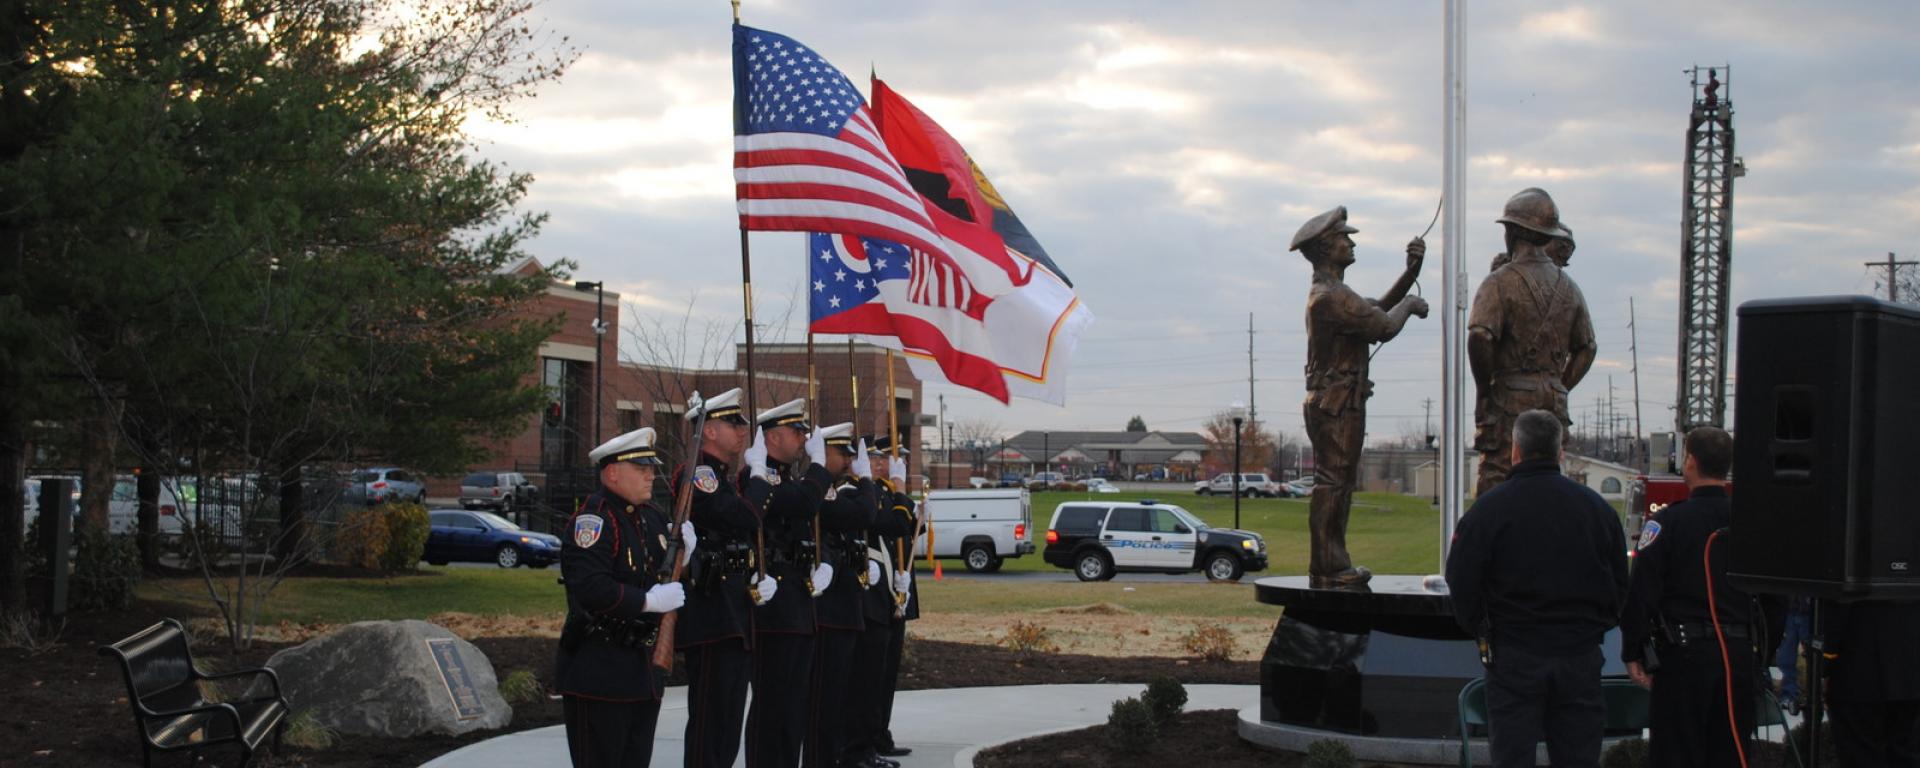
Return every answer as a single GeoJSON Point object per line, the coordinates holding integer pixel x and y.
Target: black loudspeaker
{"type": "Point", "coordinates": [1826, 459]}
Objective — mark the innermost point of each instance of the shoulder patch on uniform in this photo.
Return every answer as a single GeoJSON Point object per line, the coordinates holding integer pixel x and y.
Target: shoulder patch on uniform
{"type": "Point", "coordinates": [1649, 533]}
{"type": "Point", "coordinates": [705, 480]}
{"type": "Point", "coordinates": [586, 530]}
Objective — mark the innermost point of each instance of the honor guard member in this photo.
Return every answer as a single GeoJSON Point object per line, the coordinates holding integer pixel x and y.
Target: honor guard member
{"type": "Point", "coordinates": [1668, 638]}
{"type": "Point", "coordinates": [609, 688]}
{"type": "Point", "coordinates": [877, 654]}
{"type": "Point", "coordinates": [715, 629]}
{"type": "Point", "coordinates": [1538, 572]}
{"type": "Point", "coordinates": [904, 583]}
{"type": "Point", "coordinates": [846, 512]}
{"type": "Point", "coordinates": [785, 457]}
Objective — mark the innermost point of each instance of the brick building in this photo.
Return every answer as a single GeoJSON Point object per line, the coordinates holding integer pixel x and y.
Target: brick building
{"type": "Point", "coordinates": [552, 447]}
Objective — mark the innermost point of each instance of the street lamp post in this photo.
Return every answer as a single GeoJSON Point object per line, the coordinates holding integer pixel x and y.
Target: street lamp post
{"type": "Point", "coordinates": [949, 455]}
{"type": "Point", "coordinates": [599, 289]}
{"type": "Point", "coordinates": [1239, 415]}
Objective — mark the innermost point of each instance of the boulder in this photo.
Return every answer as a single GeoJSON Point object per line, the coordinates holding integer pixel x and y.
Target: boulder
{"type": "Point", "coordinates": [380, 678]}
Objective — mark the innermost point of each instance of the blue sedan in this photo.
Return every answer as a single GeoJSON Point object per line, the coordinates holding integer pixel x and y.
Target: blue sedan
{"type": "Point", "coordinates": [484, 537]}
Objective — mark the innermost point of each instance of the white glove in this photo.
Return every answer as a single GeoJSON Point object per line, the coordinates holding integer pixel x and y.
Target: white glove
{"type": "Point", "coordinates": [897, 469]}
{"type": "Point", "coordinates": [861, 465]}
{"type": "Point", "coordinates": [756, 455]}
{"type": "Point", "coordinates": [873, 572]}
{"type": "Point", "coordinates": [687, 542]}
{"type": "Point", "coordinates": [822, 576]}
{"type": "Point", "coordinates": [665, 597]}
{"type": "Point", "coordinates": [901, 582]}
{"type": "Point", "coordinates": [767, 587]}
{"type": "Point", "coordinates": [817, 448]}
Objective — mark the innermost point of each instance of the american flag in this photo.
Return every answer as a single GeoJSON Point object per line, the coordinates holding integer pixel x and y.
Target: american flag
{"type": "Point", "coordinates": [807, 157]}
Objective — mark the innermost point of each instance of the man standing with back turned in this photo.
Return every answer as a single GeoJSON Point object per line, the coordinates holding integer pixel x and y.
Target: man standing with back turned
{"type": "Point", "coordinates": [1538, 572]}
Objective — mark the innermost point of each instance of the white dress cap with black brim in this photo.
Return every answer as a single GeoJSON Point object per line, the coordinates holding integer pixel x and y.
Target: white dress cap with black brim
{"type": "Point", "coordinates": [839, 437]}
{"type": "Point", "coordinates": [722, 407]}
{"type": "Point", "coordinates": [634, 447]}
{"type": "Point", "coordinates": [792, 413]}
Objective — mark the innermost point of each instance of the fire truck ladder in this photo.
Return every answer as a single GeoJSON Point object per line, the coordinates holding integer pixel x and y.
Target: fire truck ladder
{"type": "Point", "coordinates": [1706, 252]}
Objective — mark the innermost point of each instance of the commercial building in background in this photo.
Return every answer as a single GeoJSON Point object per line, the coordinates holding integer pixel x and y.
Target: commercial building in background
{"type": "Point", "coordinates": [551, 449]}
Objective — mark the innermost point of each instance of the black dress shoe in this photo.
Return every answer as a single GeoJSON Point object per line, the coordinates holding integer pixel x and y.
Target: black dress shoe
{"type": "Point", "coordinates": [876, 761]}
{"type": "Point", "coordinates": [893, 751]}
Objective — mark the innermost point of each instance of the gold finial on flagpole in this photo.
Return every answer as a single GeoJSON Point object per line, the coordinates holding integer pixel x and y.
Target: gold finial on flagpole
{"type": "Point", "coordinates": [736, 11]}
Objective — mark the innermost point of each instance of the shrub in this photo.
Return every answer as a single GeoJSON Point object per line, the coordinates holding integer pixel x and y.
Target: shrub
{"type": "Point", "coordinates": [1327, 753]}
{"type": "Point", "coordinates": [521, 687]}
{"type": "Point", "coordinates": [1166, 697]}
{"type": "Point", "coordinates": [1211, 642]}
{"type": "Point", "coordinates": [407, 529]}
{"type": "Point", "coordinates": [105, 568]}
{"type": "Point", "coordinates": [1023, 637]}
{"type": "Point", "coordinates": [1131, 727]}
{"type": "Point", "coordinates": [361, 539]}
{"type": "Point", "coordinates": [1631, 753]}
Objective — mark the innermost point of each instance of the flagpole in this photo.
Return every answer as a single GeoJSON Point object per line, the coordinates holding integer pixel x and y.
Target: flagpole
{"type": "Point", "coordinates": [893, 443]}
{"type": "Point", "coordinates": [813, 418]}
{"type": "Point", "coordinates": [1453, 391]}
{"type": "Point", "coordinates": [853, 385]}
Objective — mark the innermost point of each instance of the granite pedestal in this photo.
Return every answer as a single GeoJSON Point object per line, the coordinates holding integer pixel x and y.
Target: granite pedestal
{"type": "Point", "coordinates": [1383, 665]}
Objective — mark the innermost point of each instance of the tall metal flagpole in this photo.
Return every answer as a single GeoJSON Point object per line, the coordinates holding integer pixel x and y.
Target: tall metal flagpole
{"type": "Point", "coordinates": [753, 405]}
{"type": "Point", "coordinates": [1453, 391]}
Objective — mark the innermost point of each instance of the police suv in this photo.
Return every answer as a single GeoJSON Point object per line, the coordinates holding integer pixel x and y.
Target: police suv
{"type": "Point", "coordinates": [1097, 539]}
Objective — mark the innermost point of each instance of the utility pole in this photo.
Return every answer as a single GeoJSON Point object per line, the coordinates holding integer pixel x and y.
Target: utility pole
{"type": "Point", "coordinates": [1633, 346]}
{"type": "Point", "coordinates": [1893, 274]}
{"type": "Point", "coordinates": [1253, 411]}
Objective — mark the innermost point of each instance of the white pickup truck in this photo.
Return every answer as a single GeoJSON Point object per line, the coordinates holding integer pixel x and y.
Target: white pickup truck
{"type": "Point", "coordinates": [982, 526]}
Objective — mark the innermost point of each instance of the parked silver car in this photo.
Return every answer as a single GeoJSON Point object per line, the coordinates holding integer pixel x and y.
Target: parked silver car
{"type": "Point", "coordinates": [379, 485]}
{"type": "Point", "coordinates": [496, 490]}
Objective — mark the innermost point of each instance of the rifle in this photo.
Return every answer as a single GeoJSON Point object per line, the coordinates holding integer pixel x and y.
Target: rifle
{"type": "Point", "coordinates": [673, 568]}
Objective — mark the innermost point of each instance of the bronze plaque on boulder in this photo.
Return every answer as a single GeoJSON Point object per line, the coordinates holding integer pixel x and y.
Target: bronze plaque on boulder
{"type": "Point", "coordinates": [453, 672]}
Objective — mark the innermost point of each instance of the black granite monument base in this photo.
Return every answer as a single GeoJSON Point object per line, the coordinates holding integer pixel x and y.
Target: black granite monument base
{"type": "Point", "coordinates": [1386, 661]}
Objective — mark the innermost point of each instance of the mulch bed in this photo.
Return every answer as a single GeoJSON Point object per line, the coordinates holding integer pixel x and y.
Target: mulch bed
{"type": "Point", "coordinates": [66, 706]}
{"type": "Point", "coordinates": [1210, 738]}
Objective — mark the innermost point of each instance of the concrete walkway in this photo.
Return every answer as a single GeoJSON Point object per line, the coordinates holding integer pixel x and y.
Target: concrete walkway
{"type": "Point", "coordinates": [944, 727]}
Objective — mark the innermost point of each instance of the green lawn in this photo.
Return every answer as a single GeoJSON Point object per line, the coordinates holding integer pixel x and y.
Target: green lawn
{"type": "Point", "coordinates": [482, 591]}
{"type": "Point", "coordinates": [1388, 533]}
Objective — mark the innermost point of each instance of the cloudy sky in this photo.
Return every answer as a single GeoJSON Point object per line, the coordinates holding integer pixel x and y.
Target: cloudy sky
{"type": "Point", "coordinates": [1164, 153]}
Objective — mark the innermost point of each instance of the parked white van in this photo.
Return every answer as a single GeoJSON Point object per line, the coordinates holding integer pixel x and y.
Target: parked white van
{"type": "Point", "coordinates": [981, 526]}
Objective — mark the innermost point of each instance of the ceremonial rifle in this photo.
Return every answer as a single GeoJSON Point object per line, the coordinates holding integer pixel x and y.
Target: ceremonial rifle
{"type": "Point", "coordinates": [674, 567]}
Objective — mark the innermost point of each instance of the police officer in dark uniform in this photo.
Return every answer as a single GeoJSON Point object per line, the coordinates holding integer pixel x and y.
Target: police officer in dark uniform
{"type": "Point", "coordinates": [1668, 638]}
{"type": "Point", "coordinates": [876, 653]}
{"type": "Point", "coordinates": [715, 629]}
{"type": "Point", "coordinates": [846, 512]}
{"type": "Point", "coordinates": [609, 688]}
{"type": "Point", "coordinates": [1538, 571]}
{"type": "Point", "coordinates": [783, 627]}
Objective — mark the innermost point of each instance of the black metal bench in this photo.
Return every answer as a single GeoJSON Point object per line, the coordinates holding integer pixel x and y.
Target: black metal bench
{"type": "Point", "coordinates": [171, 707]}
